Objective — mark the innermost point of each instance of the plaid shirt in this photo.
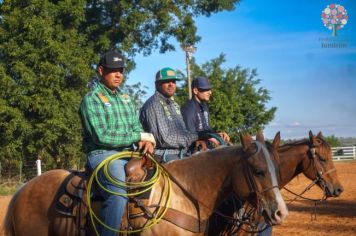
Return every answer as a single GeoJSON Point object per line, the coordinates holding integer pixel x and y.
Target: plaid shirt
{"type": "Point", "coordinates": [161, 116]}
{"type": "Point", "coordinates": [109, 120]}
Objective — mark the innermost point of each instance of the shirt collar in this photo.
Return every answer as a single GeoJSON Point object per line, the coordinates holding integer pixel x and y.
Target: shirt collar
{"type": "Point", "coordinates": [109, 91]}
{"type": "Point", "coordinates": [162, 97]}
{"type": "Point", "coordinates": [202, 105]}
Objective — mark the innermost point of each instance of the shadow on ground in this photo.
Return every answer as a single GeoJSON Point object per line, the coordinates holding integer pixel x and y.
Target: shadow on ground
{"type": "Point", "coordinates": [337, 208]}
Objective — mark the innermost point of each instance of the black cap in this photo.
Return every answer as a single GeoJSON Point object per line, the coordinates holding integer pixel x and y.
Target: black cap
{"type": "Point", "coordinates": [112, 60]}
{"type": "Point", "coordinates": [201, 83]}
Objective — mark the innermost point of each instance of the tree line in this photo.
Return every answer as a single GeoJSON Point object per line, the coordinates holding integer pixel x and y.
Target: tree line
{"type": "Point", "coordinates": [48, 52]}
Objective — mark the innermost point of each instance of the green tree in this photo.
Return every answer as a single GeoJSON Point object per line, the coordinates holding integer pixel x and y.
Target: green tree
{"type": "Point", "coordinates": [48, 49]}
{"type": "Point", "coordinates": [333, 141]}
{"type": "Point", "coordinates": [44, 67]}
{"type": "Point", "coordinates": [146, 25]}
{"type": "Point", "coordinates": [136, 92]}
{"type": "Point", "coordinates": [238, 102]}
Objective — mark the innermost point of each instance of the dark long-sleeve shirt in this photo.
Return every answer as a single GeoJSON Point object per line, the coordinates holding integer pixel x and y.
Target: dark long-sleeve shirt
{"type": "Point", "coordinates": [196, 116]}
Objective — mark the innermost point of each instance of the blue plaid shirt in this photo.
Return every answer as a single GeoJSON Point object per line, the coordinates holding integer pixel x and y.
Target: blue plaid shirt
{"type": "Point", "coordinates": [161, 116]}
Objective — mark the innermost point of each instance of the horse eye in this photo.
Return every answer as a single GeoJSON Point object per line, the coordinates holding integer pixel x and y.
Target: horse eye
{"type": "Point", "coordinates": [322, 160]}
{"type": "Point", "coordinates": [259, 173]}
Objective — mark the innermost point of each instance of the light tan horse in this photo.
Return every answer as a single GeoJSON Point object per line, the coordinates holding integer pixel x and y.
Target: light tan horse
{"type": "Point", "coordinates": [312, 157]}
{"type": "Point", "coordinates": [200, 183]}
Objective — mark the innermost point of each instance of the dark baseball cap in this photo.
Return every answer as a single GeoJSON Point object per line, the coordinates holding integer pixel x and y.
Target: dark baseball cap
{"type": "Point", "coordinates": [167, 73]}
{"type": "Point", "coordinates": [201, 83]}
{"type": "Point", "coordinates": [112, 60]}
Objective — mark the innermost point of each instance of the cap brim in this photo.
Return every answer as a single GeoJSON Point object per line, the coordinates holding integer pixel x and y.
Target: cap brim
{"type": "Point", "coordinates": [114, 66]}
{"type": "Point", "coordinates": [165, 79]}
{"type": "Point", "coordinates": [203, 87]}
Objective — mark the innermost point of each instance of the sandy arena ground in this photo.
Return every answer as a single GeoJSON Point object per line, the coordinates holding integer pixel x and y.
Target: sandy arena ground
{"type": "Point", "coordinates": [335, 217]}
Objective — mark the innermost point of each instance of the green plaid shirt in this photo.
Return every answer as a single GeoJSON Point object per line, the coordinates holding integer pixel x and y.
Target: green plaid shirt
{"type": "Point", "coordinates": [109, 120]}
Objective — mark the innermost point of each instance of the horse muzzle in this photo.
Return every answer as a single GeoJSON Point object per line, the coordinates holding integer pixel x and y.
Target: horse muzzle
{"type": "Point", "coordinates": [333, 191]}
{"type": "Point", "coordinates": [275, 214]}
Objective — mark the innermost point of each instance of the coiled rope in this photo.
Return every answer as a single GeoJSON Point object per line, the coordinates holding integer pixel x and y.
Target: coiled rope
{"type": "Point", "coordinates": [133, 189]}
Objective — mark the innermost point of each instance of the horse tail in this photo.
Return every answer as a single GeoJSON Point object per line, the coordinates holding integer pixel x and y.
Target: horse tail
{"type": "Point", "coordinates": [8, 224]}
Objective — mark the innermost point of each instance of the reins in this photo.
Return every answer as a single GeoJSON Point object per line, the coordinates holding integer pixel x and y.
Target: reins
{"type": "Point", "coordinates": [248, 176]}
{"type": "Point", "coordinates": [245, 217]}
{"type": "Point", "coordinates": [319, 178]}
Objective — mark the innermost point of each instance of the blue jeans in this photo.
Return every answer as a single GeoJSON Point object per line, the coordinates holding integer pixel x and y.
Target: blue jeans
{"type": "Point", "coordinates": [113, 205]}
{"type": "Point", "coordinates": [266, 232]}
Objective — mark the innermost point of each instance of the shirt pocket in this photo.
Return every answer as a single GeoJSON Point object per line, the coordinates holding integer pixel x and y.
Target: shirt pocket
{"type": "Point", "coordinates": [110, 116]}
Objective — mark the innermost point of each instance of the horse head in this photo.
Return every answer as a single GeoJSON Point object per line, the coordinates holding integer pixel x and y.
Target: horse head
{"type": "Point", "coordinates": [260, 185]}
{"type": "Point", "coordinates": [320, 168]}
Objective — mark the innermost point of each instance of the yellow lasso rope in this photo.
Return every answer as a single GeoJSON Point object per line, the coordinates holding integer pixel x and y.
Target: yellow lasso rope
{"type": "Point", "coordinates": [146, 185]}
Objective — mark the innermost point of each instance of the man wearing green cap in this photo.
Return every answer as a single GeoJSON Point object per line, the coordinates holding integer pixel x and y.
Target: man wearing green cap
{"type": "Point", "coordinates": [161, 116]}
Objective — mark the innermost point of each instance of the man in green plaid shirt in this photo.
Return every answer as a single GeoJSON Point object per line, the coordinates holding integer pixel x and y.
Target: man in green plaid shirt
{"type": "Point", "coordinates": [110, 125]}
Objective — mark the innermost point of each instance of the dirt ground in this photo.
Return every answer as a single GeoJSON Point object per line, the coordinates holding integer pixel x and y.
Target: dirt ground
{"type": "Point", "coordinates": [335, 217]}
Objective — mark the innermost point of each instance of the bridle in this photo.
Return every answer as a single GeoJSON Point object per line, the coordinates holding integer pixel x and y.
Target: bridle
{"type": "Point", "coordinates": [319, 173]}
{"type": "Point", "coordinates": [254, 192]}
{"type": "Point", "coordinates": [245, 217]}
{"type": "Point", "coordinates": [250, 182]}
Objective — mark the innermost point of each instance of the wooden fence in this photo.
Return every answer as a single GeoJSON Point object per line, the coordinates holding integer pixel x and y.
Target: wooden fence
{"type": "Point", "coordinates": [344, 153]}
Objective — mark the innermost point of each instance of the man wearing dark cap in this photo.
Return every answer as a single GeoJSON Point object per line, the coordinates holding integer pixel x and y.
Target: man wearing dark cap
{"type": "Point", "coordinates": [161, 116]}
{"type": "Point", "coordinates": [196, 112]}
{"type": "Point", "coordinates": [110, 125]}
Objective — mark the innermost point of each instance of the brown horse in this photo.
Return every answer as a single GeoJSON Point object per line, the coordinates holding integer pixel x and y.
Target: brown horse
{"type": "Point", "coordinates": [200, 183]}
{"type": "Point", "coordinates": [312, 157]}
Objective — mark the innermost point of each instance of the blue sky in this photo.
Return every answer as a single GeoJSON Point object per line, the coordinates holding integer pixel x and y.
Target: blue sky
{"type": "Point", "coordinates": [314, 88]}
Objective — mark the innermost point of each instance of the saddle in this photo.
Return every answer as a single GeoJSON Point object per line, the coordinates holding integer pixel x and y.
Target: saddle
{"type": "Point", "coordinates": [71, 199]}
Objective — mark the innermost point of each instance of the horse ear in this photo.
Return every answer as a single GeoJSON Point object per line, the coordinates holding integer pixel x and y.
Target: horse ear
{"type": "Point", "coordinates": [276, 140]}
{"type": "Point", "coordinates": [260, 137]}
{"type": "Point", "coordinates": [246, 141]}
{"type": "Point", "coordinates": [312, 139]}
{"type": "Point", "coordinates": [320, 135]}
{"type": "Point", "coordinates": [311, 136]}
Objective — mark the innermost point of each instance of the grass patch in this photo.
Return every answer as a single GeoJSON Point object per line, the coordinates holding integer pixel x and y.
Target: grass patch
{"type": "Point", "coordinates": [8, 188]}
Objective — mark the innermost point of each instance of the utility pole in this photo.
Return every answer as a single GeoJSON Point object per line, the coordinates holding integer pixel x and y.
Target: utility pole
{"type": "Point", "coordinates": [189, 50]}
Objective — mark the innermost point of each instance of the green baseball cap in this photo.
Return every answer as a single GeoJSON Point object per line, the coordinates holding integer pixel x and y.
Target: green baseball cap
{"type": "Point", "coordinates": [167, 73]}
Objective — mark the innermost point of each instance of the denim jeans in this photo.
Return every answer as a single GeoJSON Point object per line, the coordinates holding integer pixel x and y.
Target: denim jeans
{"type": "Point", "coordinates": [266, 232]}
{"type": "Point", "coordinates": [113, 205]}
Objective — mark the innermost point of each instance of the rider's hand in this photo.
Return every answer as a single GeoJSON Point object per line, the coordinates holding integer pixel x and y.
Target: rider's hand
{"type": "Point", "coordinates": [214, 141]}
{"type": "Point", "coordinates": [148, 137]}
{"type": "Point", "coordinates": [224, 136]}
{"type": "Point", "coordinates": [200, 145]}
{"type": "Point", "coordinates": [146, 147]}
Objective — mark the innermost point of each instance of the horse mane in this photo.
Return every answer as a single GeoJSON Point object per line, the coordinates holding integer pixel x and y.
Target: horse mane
{"type": "Point", "coordinates": [322, 144]}
{"type": "Point", "coordinates": [291, 144]}
{"type": "Point", "coordinates": [7, 223]}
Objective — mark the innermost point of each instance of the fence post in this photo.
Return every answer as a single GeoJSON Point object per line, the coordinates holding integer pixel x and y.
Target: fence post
{"type": "Point", "coordinates": [38, 163]}
{"type": "Point", "coordinates": [354, 151]}
{"type": "Point", "coordinates": [20, 179]}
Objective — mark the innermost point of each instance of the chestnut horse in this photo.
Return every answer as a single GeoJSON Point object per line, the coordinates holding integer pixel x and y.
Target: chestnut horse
{"type": "Point", "coordinates": [312, 157]}
{"type": "Point", "coordinates": [200, 183]}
